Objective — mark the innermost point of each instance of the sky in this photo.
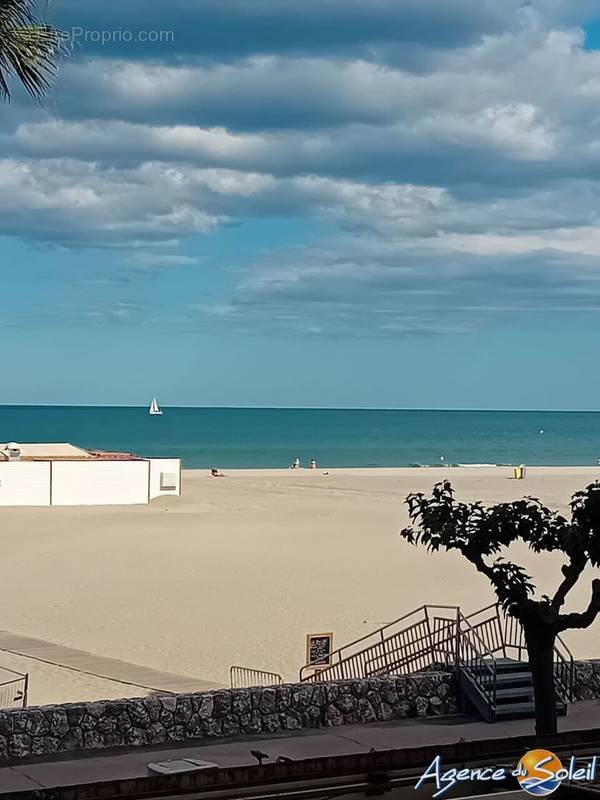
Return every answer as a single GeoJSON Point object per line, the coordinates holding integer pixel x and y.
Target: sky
{"type": "Point", "coordinates": [327, 203]}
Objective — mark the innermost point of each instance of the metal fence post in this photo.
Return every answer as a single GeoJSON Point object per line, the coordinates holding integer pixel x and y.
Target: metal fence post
{"type": "Point", "coordinates": [457, 643]}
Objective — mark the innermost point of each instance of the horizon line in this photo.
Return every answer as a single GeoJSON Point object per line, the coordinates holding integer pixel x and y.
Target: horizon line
{"type": "Point", "coordinates": [312, 408]}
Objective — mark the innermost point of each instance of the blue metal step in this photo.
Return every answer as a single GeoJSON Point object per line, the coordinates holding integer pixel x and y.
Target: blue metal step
{"type": "Point", "coordinates": [514, 692]}
{"type": "Point", "coordinates": [515, 710]}
{"type": "Point", "coordinates": [511, 678]}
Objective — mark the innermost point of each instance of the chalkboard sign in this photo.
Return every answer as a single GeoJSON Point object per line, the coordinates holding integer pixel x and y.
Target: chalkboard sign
{"type": "Point", "coordinates": [319, 647]}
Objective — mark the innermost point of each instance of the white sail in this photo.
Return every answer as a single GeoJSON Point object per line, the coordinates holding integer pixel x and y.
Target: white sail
{"type": "Point", "coordinates": [154, 407]}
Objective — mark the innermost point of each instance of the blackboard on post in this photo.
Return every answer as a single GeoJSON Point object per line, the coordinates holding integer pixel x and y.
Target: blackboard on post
{"type": "Point", "coordinates": [319, 647]}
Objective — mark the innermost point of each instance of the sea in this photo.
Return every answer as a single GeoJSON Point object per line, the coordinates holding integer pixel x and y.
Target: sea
{"type": "Point", "coordinates": [274, 437]}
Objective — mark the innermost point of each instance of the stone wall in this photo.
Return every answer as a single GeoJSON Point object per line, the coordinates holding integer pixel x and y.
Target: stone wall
{"type": "Point", "coordinates": [231, 712]}
{"type": "Point", "coordinates": [586, 683]}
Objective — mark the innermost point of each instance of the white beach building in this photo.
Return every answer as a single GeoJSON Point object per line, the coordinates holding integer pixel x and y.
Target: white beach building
{"type": "Point", "coordinates": [60, 474]}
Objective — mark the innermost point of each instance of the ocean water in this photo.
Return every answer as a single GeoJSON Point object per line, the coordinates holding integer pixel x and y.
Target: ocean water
{"type": "Point", "coordinates": [257, 437]}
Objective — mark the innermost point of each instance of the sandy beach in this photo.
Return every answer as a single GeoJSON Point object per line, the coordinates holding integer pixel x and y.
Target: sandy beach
{"type": "Point", "coordinates": [240, 568]}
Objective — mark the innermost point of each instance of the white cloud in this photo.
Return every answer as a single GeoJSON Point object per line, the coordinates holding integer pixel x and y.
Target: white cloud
{"type": "Point", "coordinates": [374, 288]}
{"type": "Point", "coordinates": [68, 201]}
{"type": "Point", "coordinates": [583, 240]}
{"type": "Point", "coordinates": [517, 130]}
{"type": "Point", "coordinates": [77, 201]}
{"type": "Point", "coordinates": [143, 260]}
{"type": "Point", "coordinates": [503, 105]}
{"type": "Point", "coordinates": [454, 173]}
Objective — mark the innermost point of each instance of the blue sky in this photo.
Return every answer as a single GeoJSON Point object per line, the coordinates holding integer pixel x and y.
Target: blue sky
{"type": "Point", "coordinates": [333, 203]}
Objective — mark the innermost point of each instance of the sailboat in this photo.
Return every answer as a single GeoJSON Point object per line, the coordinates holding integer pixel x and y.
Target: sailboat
{"type": "Point", "coordinates": [154, 407]}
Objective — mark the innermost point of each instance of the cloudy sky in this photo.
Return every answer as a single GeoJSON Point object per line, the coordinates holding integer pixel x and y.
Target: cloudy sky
{"type": "Point", "coordinates": [335, 202]}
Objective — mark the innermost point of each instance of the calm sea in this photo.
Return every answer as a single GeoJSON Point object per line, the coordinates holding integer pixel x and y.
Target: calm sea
{"type": "Point", "coordinates": [253, 437]}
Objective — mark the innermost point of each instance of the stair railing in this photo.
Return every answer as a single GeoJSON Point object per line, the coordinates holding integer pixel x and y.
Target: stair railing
{"type": "Point", "coordinates": [434, 636]}
{"type": "Point", "coordinates": [247, 677]}
{"type": "Point", "coordinates": [408, 644]}
{"type": "Point", "coordinates": [564, 670]}
{"type": "Point", "coordinates": [488, 624]}
{"type": "Point", "coordinates": [476, 659]}
{"type": "Point", "coordinates": [504, 633]}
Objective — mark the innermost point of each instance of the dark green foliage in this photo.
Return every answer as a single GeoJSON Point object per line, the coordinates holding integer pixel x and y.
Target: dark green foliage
{"type": "Point", "coordinates": [480, 533]}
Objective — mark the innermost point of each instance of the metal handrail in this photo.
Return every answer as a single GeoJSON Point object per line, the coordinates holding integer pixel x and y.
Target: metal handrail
{"type": "Point", "coordinates": [564, 645]}
{"type": "Point", "coordinates": [564, 668]}
{"type": "Point", "coordinates": [355, 659]}
{"type": "Point", "coordinates": [477, 662]}
{"type": "Point", "coordinates": [497, 635]}
{"type": "Point", "coordinates": [473, 630]}
{"type": "Point", "coordinates": [485, 650]}
{"type": "Point", "coordinates": [406, 654]}
{"type": "Point", "coordinates": [10, 695]}
{"type": "Point", "coordinates": [481, 610]}
{"type": "Point", "coordinates": [247, 677]}
{"type": "Point", "coordinates": [414, 646]}
{"type": "Point", "coordinates": [513, 637]}
{"type": "Point", "coordinates": [389, 625]}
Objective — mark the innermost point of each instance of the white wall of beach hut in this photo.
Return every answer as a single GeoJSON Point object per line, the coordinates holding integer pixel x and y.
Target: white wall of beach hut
{"type": "Point", "coordinates": [165, 476]}
{"type": "Point", "coordinates": [98, 483]}
{"type": "Point", "coordinates": [25, 483]}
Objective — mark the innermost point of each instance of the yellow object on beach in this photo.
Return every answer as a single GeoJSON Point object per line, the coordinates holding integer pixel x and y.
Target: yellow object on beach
{"type": "Point", "coordinates": [519, 473]}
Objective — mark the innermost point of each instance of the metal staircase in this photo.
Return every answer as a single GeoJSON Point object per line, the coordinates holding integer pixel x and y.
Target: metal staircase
{"type": "Point", "coordinates": [513, 691]}
{"type": "Point", "coordinates": [424, 638]}
{"type": "Point", "coordinates": [493, 670]}
{"type": "Point", "coordinates": [486, 650]}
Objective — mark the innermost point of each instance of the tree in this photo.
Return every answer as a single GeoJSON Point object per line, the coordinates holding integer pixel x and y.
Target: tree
{"type": "Point", "coordinates": [480, 533]}
{"type": "Point", "coordinates": [29, 49]}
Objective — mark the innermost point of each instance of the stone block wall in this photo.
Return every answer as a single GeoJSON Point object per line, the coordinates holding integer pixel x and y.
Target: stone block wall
{"type": "Point", "coordinates": [230, 712]}
{"type": "Point", "coordinates": [586, 683]}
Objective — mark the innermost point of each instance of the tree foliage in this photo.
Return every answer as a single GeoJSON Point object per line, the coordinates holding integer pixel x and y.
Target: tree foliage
{"type": "Point", "coordinates": [481, 533]}
{"type": "Point", "coordinates": [29, 49]}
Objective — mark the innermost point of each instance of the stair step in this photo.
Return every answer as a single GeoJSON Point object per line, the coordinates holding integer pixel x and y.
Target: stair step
{"type": "Point", "coordinates": [515, 691]}
{"type": "Point", "coordinates": [521, 678]}
{"type": "Point", "coordinates": [515, 666]}
{"type": "Point", "coordinates": [524, 709]}
{"type": "Point", "coordinates": [505, 668]}
{"type": "Point", "coordinates": [514, 710]}
{"type": "Point", "coordinates": [507, 665]}
{"type": "Point", "coordinates": [503, 679]}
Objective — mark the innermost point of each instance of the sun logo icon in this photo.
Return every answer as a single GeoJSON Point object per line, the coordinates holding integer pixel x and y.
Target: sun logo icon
{"type": "Point", "coordinates": [537, 772]}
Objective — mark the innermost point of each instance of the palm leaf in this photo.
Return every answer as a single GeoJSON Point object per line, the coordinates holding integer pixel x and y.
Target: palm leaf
{"type": "Point", "coordinates": [29, 49]}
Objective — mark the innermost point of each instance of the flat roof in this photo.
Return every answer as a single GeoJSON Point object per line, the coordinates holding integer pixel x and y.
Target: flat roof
{"type": "Point", "coordinates": [48, 450]}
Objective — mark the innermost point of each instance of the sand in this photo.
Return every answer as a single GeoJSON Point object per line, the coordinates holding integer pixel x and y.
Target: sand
{"type": "Point", "coordinates": [52, 684]}
{"type": "Point", "coordinates": [240, 568]}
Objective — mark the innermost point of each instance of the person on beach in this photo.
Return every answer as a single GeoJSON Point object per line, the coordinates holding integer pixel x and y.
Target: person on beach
{"type": "Point", "coordinates": [216, 474]}
{"type": "Point", "coordinates": [295, 464]}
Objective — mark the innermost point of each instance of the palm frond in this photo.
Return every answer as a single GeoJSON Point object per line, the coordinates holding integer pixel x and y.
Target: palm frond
{"type": "Point", "coordinates": [29, 49]}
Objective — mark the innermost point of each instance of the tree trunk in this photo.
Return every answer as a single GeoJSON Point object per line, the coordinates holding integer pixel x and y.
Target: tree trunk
{"type": "Point", "coordinates": [540, 640]}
